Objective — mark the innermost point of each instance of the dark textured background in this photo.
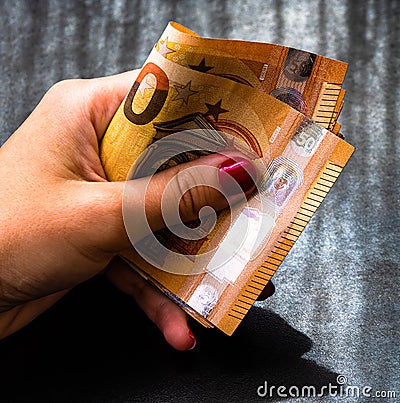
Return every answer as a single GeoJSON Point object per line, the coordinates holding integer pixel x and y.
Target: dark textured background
{"type": "Point", "coordinates": [336, 307]}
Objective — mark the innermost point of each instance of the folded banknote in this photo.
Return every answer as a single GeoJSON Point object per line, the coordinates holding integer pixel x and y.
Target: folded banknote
{"type": "Point", "coordinates": [276, 105]}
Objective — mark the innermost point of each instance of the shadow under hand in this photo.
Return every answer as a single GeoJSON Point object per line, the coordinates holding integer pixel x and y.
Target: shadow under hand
{"type": "Point", "coordinates": [96, 345]}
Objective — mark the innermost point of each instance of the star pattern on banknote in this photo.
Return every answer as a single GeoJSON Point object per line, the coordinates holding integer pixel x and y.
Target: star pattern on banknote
{"type": "Point", "coordinates": [144, 85]}
{"type": "Point", "coordinates": [163, 48]}
{"type": "Point", "coordinates": [215, 110]}
{"type": "Point", "coordinates": [202, 67]}
{"type": "Point", "coordinates": [184, 93]}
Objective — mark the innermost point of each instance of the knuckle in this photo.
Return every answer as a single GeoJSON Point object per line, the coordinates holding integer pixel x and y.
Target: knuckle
{"type": "Point", "coordinates": [64, 89]}
{"type": "Point", "coordinates": [73, 94]}
{"type": "Point", "coordinates": [189, 194]}
{"type": "Point", "coordinates": [63, 85]}
{"type": "Point", "coordinates": [187, 205]}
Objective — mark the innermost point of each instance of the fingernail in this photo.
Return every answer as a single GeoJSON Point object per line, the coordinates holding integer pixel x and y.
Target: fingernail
{"type": "Point", "coordinates": [242, 171]}
{"type": "Point", "coordinates": [271, 289]}
{"type": "Point", "coordinates": [267, 292]}
{"type": "Point", "coordinates": [191, 335]}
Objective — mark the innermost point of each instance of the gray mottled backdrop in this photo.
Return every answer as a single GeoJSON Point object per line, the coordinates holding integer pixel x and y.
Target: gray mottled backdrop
{"type": "Point", "coordinates": [336, 307]}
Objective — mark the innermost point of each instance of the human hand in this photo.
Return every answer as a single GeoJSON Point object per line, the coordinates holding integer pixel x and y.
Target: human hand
{"type": "Point", "coordinates": [61, 220]}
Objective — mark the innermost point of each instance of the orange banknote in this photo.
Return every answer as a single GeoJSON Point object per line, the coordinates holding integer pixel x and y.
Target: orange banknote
{"type": "Point", "coordinates": [196, 96]}
{"type": "Point", "coordinates": [310, 83]}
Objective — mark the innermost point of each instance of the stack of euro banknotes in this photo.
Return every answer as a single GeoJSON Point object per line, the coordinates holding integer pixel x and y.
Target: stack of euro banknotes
{"type": "Point", "coordinates": [277, 104]}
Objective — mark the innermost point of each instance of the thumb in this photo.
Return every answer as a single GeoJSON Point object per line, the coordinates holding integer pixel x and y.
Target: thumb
{"type": "Point", "coordinates": [182, 192]}
{"type": "Point", "coordinates": [140, 206]}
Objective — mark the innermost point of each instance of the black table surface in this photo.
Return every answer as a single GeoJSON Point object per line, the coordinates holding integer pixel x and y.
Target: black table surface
{"type": "Point", "coordinates": [336, 308]}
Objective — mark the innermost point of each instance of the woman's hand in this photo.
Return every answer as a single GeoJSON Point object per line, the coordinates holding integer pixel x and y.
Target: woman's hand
{"type": "Point", "coordinates": [61, 220]}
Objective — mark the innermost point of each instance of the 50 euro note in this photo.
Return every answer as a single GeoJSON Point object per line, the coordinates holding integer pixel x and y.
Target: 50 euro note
{"type": "Point", "coordinates": [217, 277]}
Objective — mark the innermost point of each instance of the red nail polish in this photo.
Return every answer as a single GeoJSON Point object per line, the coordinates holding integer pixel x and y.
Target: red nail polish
{"type": "Point", "coordinates": [191, 335]}
{"type": "Point", "coordinates": [242, 171]}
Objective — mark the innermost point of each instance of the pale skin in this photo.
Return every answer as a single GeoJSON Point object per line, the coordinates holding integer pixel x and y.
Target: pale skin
{"type": "Point", "coordinates": [61, 220]}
